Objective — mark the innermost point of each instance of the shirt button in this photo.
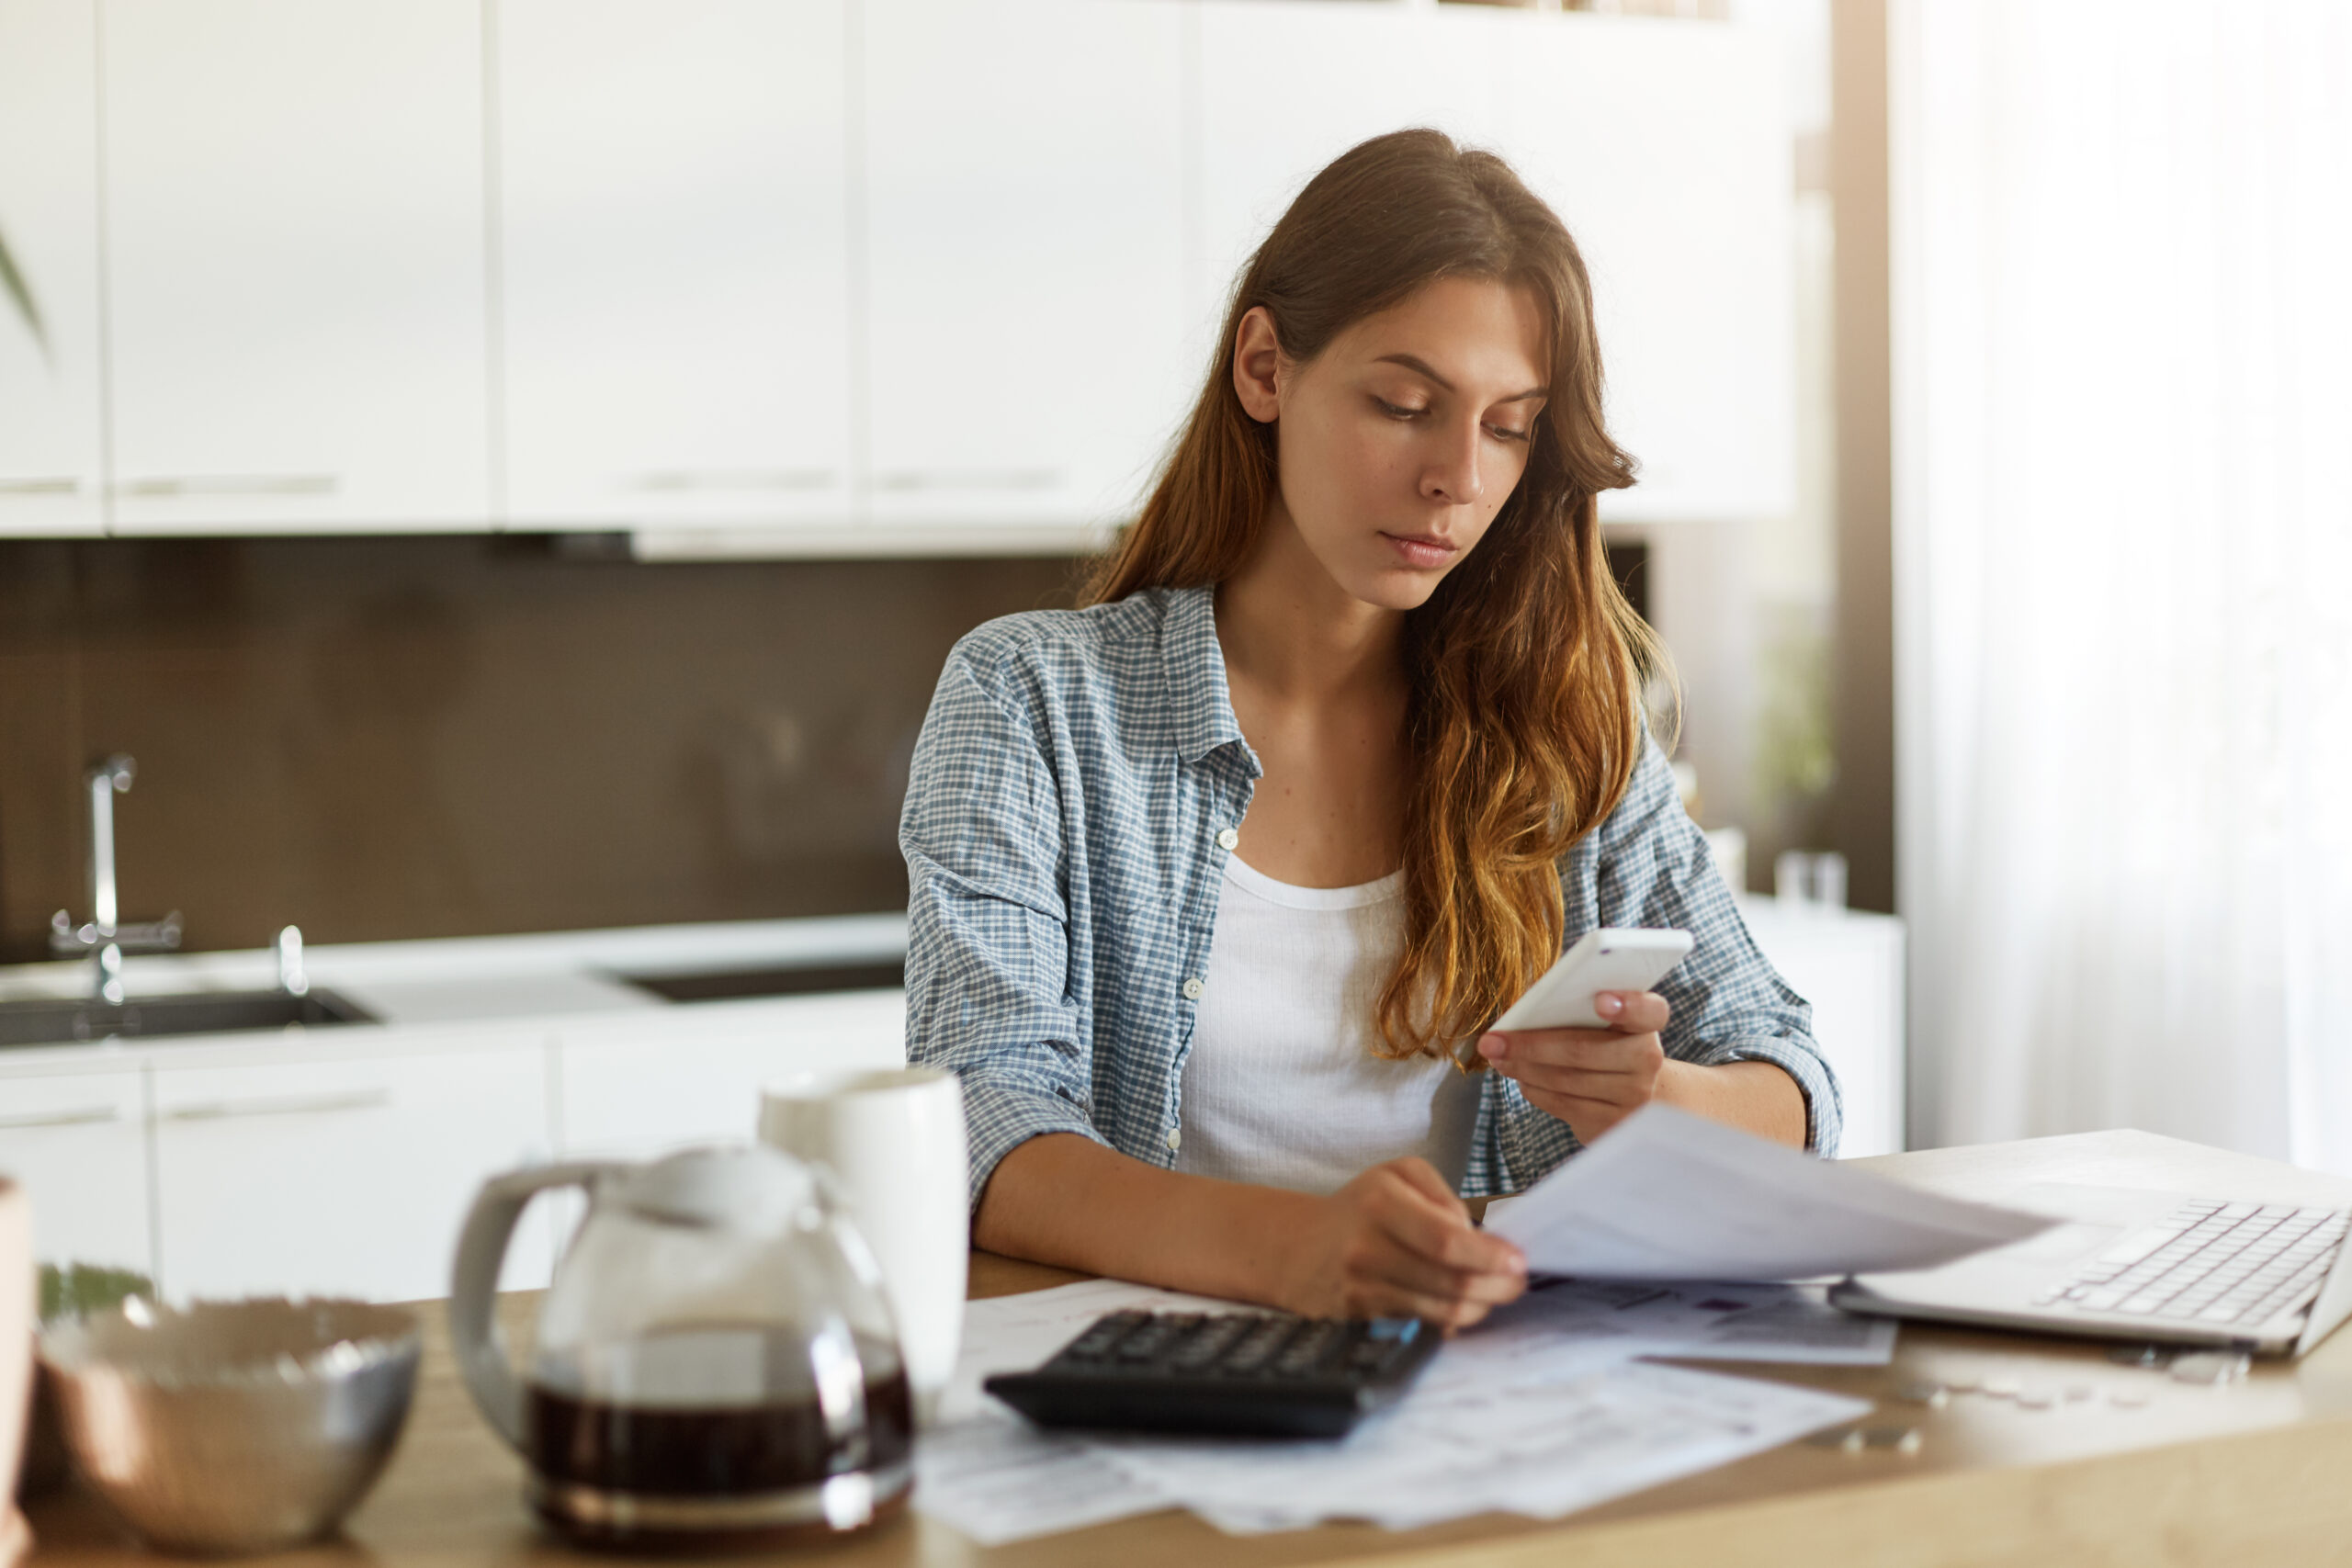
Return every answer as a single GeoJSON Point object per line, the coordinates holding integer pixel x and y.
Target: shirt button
{"type": "Point", "coordinates": [1175, 1139]}
{"type": "Point", "coordinates": [1227, 838]}
{"type": "Point", "coordinates": [1192, 989]}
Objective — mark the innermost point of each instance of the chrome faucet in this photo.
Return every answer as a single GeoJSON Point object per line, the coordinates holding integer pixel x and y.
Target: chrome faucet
{"type": "Point", "coordinates": [292, 978]}
{"type": "Point", "coordinates": [105, 938]}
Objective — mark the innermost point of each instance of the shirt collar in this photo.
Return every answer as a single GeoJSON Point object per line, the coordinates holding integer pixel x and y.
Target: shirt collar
{"type": "Point", "coordinates": [1199, 703]}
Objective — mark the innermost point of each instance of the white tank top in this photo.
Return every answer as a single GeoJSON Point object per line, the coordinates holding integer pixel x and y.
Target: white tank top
{"type": "Point", "coordinates": [1283, 1087]}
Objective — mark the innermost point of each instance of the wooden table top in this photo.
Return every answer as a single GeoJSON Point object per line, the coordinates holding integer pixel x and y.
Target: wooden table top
{"type": "Point", "coordinates": [2253, 1472]}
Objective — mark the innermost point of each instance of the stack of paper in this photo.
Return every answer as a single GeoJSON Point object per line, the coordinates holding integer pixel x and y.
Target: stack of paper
{"type": "Point", "coordinates": [1543, 1409]}
{"type": "Point", "coordinates": [1477, 1444]}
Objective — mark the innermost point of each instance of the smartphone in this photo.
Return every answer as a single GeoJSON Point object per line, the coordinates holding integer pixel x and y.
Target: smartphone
{"type": "Point", "coordinates": [1611, 959]}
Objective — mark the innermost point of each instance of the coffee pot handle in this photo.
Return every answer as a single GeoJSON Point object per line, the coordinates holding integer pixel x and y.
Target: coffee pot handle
{"type": "Point", "coordinates": [473, 1287]}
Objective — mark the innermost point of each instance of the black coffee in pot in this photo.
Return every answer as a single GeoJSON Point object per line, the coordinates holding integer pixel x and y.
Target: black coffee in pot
{"type": "Point", "coordinates": [722, 1439]}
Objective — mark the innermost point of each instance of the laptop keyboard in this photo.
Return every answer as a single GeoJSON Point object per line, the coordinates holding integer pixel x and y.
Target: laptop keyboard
{"type": "Point", "coordinates": [2211, 1264]}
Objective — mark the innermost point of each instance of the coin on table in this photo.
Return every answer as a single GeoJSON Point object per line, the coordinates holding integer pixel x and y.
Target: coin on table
{"type": "Point", "coordinates": [1892, 1439]}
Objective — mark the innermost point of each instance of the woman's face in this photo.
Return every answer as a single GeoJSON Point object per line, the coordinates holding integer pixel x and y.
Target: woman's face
{"type": "Point", "coordinates": [1398, 443]}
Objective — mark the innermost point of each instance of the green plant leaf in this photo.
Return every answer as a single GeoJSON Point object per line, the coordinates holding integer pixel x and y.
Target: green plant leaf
{"type": "Point", "coordinates": [82, 1288]}
{"type": "Point", "coordinates": [21, 295]}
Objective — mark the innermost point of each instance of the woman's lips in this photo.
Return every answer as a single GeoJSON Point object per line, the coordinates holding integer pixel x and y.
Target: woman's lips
{"type": "Point", "coordinates": [1421, 549]}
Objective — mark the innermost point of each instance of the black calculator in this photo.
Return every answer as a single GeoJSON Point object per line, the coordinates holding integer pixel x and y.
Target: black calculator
{"type": "Point", "coordinates": [1261, 1374]}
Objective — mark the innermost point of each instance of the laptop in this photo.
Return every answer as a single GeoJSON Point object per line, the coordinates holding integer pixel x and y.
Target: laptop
{"type": "Point", "coordinates": [2268, 1279]}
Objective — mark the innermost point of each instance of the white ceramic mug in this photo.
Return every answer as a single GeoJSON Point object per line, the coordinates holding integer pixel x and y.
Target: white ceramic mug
{"type": "Point", "coordinates": [894, 1139]}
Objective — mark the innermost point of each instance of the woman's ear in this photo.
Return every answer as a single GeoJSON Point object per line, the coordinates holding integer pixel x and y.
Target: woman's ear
{"type": "Point", "coordinates": [1257, 366]}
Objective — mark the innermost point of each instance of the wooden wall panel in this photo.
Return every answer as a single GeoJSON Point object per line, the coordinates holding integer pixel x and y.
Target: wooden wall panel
{"type": "Point", "coordinates": [380, 739]}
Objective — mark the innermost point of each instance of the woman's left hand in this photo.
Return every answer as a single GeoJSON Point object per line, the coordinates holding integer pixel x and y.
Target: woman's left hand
{"type": "Point", "coordinates": [1590, 1079]}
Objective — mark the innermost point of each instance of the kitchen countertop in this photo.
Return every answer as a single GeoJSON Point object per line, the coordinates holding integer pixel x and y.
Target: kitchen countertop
{"type": "Point", "coordinates": [483, 978]}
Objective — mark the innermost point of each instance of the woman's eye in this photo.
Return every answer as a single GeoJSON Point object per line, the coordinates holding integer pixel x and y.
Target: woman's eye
{"type": "Point", "coordinates": [1505, 433]}
{"type": "Point", "coordinates": [1398, 410]}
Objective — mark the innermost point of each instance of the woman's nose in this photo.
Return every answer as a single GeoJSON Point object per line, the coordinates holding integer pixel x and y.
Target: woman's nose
{"type": "Point", "coordinates": [1454, 475]}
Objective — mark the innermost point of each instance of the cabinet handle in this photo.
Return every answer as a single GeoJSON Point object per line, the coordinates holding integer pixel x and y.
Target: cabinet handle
{"type": "Point", "coordinates": [672, 481]}
{"type": "Point", "coordinates": [969, 478]}
{"type": "Point", "coordinates": [292, 1105]}
{"type": "Point", "coordinates": [39, 487]}
{"type": "Point", "coordinates": [234, 484]}
{"type": "Point", "coordinates": [80, 1116]}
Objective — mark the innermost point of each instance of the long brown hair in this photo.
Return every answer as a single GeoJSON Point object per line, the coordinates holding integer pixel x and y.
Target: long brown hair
{"type": "Point", "coordinates": [1523, 722]}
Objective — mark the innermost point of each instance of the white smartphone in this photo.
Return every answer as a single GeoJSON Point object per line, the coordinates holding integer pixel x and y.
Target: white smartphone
{"type": "Point", "coordinates": [1611, 959]}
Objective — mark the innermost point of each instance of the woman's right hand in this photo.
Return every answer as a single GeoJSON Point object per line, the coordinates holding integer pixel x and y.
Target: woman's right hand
{"type": "Point", "coordinates": [1395, 1242]}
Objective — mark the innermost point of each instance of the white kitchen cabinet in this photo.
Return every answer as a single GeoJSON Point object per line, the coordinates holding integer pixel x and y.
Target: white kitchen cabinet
{"type": "Point", "coordinates": [1663, 147]}
{"type": "Point", "coordinates": [1666, 150]}
{"type": "Point", "coordinates": [295, 265]}
{"type": "Point", "coordinates": [634, 1088]}
{"type": "Point", "coordinates": [1023, 239]}
{"type": "Point", "coordinates": [49, 471]}
{"type": "Point", "coordinates": [675, 209]}
{"type": "Point", "coordinates": [1850, 965]}
{"type": "Point", "coordinates": [346, 1175]}
{"type": "Point", "coordinates": [1287, 85]}
{"type": "Point", "coordinates": [77, 1141]}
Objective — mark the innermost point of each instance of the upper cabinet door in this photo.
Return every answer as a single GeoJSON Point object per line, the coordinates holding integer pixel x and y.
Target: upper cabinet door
{"type": "Point", "coordinates": [1287, 85]}
{"type": "Point", "coordinates": [1663, 145]}
{"type": "Point", "coordinates": [296, 265]}
{"type": "Point", "coordinates": [50, 478]}
{"type": "Point", "coordinates": [674, 201]}
{"type": "Point", "coordinates": [1667, 149]}
{"type": "Point", "coordinates": [1024, 246]}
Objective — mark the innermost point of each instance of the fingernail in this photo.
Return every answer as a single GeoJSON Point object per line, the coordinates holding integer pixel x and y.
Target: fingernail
{"type": "Point", "coordinates": [1608, 1004]}
{"type": "Point", "coordinates": [1494, 1047]}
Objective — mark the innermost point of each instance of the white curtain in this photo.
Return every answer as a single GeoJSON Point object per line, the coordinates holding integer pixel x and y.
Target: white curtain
{"type": "Point", "coordinates": [2122, 304]}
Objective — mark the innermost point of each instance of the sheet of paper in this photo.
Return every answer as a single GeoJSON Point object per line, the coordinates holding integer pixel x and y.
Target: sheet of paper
{"type": "Point", "coordinates": [1463, 1446]}
{"type": "Point", "coordinates": [1669, 1196]}
{"type": "Point", "coordinates": [1540, 1411]}
{"type": "Point", "coordinates": [1012, 1333]}
{"type": "Point", "coordinates": [990, 1474]}
{"type": "Point", "coordinates": [1720, 1321]}
{"type": "Point", "coordinates": [998, 1479]}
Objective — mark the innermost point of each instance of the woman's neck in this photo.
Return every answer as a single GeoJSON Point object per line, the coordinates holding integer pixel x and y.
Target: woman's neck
{"type": "Point", "coordinates": [1294, 635]}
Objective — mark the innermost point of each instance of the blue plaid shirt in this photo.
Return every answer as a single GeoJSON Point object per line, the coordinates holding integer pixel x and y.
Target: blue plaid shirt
{"type": "Point", "coordinates": [1064, 861]}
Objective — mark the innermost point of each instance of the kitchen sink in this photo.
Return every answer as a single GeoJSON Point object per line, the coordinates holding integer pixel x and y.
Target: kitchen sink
{"type": "Point", "coordinates": [724, 985]}
{"type": "Point", "coordinates": [67, 1022]}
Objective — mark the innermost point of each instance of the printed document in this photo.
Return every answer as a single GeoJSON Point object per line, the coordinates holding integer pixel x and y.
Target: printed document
{"type": "Point", "coordinates": [1712, 1322]}
{"type": "Point", "coordinates": [1472, 1446]}
{"type": "Point", "coordinates": [1669, 1196]}
{"type": "Point", "coordinates": [988, 1473]}
{"type": "Point", "coordinates": [1542, 1409]}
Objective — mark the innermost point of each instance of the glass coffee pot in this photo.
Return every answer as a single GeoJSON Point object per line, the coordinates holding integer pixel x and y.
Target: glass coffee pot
{"type": "Point", "coordinates": [716, 1363]}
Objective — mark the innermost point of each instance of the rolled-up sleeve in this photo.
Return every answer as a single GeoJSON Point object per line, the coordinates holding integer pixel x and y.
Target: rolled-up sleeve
{"type": "Point", "coordinates": [1649, 865]}
{"type": "Point", "coordinates": [988, 940]}
{"type": "Point", "coordinates": [1730, 1004]}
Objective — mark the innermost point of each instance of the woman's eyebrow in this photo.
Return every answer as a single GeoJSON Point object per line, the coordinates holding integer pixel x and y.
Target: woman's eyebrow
{"type": "Point", "coordinates": [1420, 367]}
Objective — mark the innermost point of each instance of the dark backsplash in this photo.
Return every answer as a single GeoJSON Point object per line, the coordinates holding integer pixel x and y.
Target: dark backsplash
{"type": "Point", "coordinates": [380, 738]}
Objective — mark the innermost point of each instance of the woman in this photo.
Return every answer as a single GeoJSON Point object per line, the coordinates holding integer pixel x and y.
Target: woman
{"type": "Point", "coordinates": [1209, 878]}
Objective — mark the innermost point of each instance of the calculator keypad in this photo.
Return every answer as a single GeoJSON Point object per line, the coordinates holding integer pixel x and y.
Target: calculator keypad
{"type": "Point", "coordinates": [1230, 1372]}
